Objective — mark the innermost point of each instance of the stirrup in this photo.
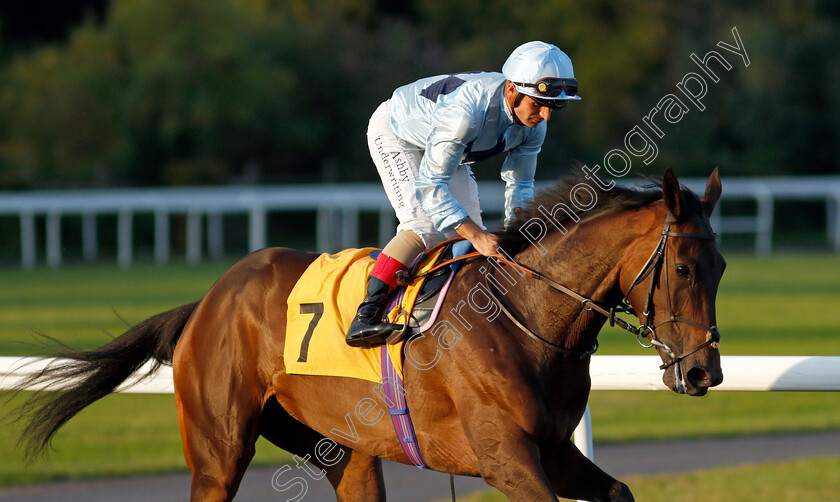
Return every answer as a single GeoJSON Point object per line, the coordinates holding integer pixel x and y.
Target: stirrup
{"type": "Point", "coordinates": [398, 334]}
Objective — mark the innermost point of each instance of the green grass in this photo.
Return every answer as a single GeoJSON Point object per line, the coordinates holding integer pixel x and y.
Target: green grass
{"type": "Point", "coordinates": [809, 479]}
{"type": "Point", "coordinates": [783, 305]}
{"type": "Point", "coordinates": [643, 415]}
{"type": "Point", "coordinates": [85, 305]}
{"type": "Point", "coordinates": [121, 434]}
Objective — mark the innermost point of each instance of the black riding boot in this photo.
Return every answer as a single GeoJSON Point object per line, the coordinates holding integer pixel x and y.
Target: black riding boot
{"type": "Point", "coordinates": [367, 328]}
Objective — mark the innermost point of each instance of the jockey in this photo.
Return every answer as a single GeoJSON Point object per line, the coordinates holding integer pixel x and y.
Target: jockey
{"type": "Point", "coordinates": [423, 141]}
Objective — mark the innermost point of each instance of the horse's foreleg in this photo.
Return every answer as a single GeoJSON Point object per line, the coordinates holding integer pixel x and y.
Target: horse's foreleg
{"type": "Point", "coordinates": [574, 476]}
{"type": "Point", "coordinates": [510, 462]}
{"type": "Point", "coordinates": [360, 479]}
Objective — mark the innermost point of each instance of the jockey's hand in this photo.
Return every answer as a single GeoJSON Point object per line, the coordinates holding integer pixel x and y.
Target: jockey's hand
{"type": "Point", "coordinates": [484, 242]}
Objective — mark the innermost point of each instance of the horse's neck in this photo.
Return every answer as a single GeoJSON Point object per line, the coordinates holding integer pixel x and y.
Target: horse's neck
{"type": "Point", "coordinates": [586, 260]}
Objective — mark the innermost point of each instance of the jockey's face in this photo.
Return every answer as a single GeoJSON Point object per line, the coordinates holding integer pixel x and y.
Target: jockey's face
{"type": "Point", "coordinates": [529, 112]}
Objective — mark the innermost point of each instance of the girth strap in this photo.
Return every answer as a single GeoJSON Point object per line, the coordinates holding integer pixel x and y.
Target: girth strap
{"type": "Point", "coordinates": [394, 393]}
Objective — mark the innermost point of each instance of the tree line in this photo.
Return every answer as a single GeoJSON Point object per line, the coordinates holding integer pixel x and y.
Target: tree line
{"type": "Point", "coordinates": [266, 91]}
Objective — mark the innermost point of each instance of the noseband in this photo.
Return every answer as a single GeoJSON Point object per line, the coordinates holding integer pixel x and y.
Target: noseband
{"type": "Point", "coordinates": [652, 268]}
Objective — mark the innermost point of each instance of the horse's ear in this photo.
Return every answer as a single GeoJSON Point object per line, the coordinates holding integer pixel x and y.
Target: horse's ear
{"type": "Point", "coordinates": [712, 195]}
{"type": "Point", "coordinates": [671, 192]}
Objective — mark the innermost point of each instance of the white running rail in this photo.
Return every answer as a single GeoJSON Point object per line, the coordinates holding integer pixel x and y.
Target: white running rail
{"type": "Point", "coordinates": [337, 207]}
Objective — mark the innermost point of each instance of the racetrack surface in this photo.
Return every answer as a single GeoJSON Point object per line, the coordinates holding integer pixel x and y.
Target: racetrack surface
{"type": "Point", "coordinates": [409, 484]}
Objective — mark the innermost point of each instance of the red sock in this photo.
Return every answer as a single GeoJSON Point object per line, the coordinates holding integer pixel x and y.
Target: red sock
{"type": "Point", "coordinates": [386, 269]}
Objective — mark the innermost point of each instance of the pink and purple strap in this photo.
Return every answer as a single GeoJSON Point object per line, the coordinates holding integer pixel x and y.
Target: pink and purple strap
{"type": "Point", "coordinates": [392, 386]}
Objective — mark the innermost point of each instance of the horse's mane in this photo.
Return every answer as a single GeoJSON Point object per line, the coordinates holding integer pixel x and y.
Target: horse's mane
{"type": "Point", "coordinates": [619, 198]}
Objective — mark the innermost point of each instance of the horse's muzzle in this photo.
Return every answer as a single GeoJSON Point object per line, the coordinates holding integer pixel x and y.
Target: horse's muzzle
{"type": "Point", "coordinates": [697, 380]}
{"type": "Point", "coordinates": [701, 378]}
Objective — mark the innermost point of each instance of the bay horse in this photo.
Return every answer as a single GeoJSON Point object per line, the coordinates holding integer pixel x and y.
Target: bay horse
{"type": "Point", "coordinates": [501, 403]}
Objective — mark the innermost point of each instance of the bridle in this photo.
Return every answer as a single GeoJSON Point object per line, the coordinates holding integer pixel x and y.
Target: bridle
{"type": "Point", "coordinates": [652, 268]}
{"type": "Point", "coordinates": [656, 263]}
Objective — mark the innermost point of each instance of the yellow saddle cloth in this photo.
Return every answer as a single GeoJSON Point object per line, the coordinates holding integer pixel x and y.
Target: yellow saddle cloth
{"type": "Point", "coordinates": [321, 307]}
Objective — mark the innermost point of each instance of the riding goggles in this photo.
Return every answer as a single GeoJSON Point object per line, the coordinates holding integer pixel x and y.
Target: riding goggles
{"type": "Point", "coordinates": [551, 87]}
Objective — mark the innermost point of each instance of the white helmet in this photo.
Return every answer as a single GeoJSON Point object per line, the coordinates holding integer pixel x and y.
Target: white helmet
{"type": "Point", "coordinates": [542, 71]}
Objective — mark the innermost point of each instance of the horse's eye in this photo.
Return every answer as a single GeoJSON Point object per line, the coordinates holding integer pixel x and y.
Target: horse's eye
{"type": "Point", "coordinates": [683, 271]}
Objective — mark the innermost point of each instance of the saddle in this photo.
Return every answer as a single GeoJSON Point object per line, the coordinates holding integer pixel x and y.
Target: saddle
{"type": "Point", "coordinates": [430, 276]}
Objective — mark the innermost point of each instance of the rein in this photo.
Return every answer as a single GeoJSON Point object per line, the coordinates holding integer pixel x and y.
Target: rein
{"type": "Point", "coordinates": [652, 268]}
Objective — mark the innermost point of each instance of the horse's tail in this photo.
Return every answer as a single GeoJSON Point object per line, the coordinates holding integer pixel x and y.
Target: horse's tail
{"type": "Point", "coordinates": [86, 376]}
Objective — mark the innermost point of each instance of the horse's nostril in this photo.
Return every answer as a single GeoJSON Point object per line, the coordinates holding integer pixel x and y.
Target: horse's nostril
{"type": "Point", "coordinates": [698, 377]}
